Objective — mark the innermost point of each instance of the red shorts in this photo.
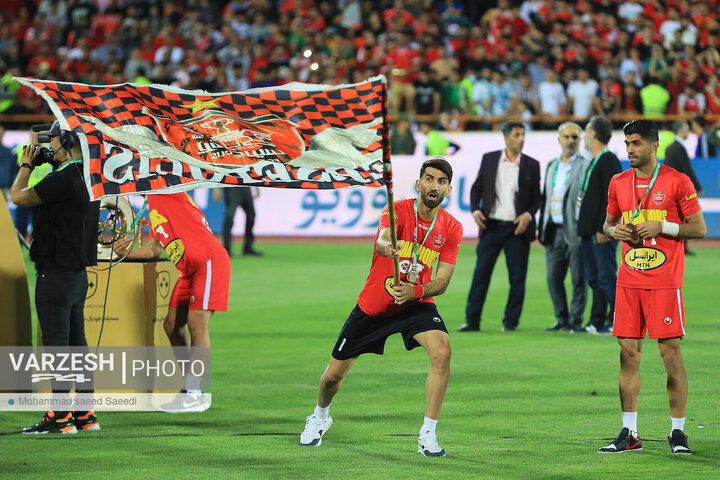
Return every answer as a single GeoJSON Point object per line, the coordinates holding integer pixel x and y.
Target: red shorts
{"type": "Point", "coordinates": [660, 311]}
{"type": "Point", "coordinates": [207, 288]}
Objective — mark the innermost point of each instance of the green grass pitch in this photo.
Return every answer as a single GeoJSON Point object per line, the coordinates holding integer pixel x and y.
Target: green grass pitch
{"type": "Point", "coordinates": [521, 405]}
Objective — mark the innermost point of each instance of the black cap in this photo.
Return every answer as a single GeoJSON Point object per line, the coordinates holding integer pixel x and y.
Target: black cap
{"type": "Point", "coordinates": [47, 131]}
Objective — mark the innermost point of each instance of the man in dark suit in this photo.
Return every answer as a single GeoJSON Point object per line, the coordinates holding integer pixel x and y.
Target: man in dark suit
{"type": "Point", "coordinates": [504, 200]}
{"type": "Point", "coordinates": [705, 147]}
{"type": "Point", "coordinates": [599, 252]}
{"type": "Point", "coordinates": [676, 156]}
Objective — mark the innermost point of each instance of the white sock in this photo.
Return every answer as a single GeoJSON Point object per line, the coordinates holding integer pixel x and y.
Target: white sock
{"type": "Point", "coordinates": [322, 412]}
{"type": "Point", "coordinates": [428, 425]}
{"type": "Point", "coordinates": [677, 424]}
{"type": "Point", "coordinates": [630, 421]}
{"type": "Point", "coordinates": [192, 383]}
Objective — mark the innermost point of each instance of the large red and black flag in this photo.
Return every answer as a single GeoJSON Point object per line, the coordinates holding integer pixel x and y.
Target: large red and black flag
{"type": "Point", "coordinates": [143, 138]}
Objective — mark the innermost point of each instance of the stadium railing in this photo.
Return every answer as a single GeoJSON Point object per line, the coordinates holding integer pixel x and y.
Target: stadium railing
{"type": "Point", "coordinates": [459, 119]}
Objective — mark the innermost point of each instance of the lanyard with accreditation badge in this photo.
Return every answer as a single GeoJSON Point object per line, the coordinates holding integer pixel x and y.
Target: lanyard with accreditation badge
{"type": "Point", "coordinates": [414, 272]}
{"type": "Point", "coordinates": [636, 208]}
{"type": "Point", "coordinates": [555, 201]}
{"type": "Point", "coordinates": [581, 193]}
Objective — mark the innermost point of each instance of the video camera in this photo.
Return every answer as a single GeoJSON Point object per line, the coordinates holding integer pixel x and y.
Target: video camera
{"type": "Point", "coordinates": [44, 155]}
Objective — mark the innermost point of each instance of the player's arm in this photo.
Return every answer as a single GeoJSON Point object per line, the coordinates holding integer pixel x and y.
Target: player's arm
{"type": "Point", "coordinates": [614, 230]}
{"type": "Point", "coordinates": [20, 193]}
{"type": "Point", "coordinates": [144, 252]}
{"type": "Point", "coordinates": [694, 227]}
{"type": "Point", "coordinates": [383, 245]}
{"type": "Point", "coordinates": [406, 292]}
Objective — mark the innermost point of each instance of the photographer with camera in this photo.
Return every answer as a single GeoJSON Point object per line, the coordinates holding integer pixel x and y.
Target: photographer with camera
{"type": "Point", "coordinates": [64, 243]}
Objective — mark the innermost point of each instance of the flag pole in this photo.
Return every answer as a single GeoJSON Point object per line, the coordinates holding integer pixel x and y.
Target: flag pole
{"type": "Point", "coordinates": [387, 178]}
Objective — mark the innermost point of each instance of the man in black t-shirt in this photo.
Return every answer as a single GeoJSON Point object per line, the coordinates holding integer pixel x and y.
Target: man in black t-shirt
{"type": "Point", "coordinates": [64, 243]}
{"type": "Point", "coordinates": [427, 93]}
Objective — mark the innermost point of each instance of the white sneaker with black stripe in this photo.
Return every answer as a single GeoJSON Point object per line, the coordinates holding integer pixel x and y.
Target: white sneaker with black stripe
{"type": "Point", "coordinates": [428, 445]}
{"type": "Point", "coordinates": [315, 427]}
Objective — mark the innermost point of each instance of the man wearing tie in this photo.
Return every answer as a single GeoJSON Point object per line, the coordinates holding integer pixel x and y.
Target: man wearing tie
{"type": "Point", "coordinates": [504, 200]}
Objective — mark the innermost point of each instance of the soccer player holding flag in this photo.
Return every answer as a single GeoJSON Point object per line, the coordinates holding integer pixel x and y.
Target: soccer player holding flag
{"type": "Point", "coordinates": [652, 208]}
{"type": "Point", "coordinates": [426, 234]}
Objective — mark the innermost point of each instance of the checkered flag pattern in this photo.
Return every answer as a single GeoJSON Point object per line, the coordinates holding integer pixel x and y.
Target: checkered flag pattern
{"type": "Point", "coordinates": [154, 138]}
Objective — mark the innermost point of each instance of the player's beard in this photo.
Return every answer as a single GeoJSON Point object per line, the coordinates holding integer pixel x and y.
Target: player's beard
{"type": "Point", "coordinates": [432, 203]}
{"type": "Point", "coordinates": [639, 161]}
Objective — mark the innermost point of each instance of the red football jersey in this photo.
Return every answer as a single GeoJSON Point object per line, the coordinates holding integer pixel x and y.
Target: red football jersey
{"type": "Point", "coordinates": [657, 262]}
{"type": "Point", "coordinates": [376, 298]}
{"type": "Point", "coordinates": [182, 230]}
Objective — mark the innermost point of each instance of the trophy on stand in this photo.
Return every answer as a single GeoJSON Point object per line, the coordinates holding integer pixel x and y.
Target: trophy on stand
{"type": "Point", "coordinates": [117, 220]}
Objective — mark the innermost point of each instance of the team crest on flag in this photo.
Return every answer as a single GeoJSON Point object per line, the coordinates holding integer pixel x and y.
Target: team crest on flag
{"type": "Point", "coordinates": [150, 138]}
{"type": "Point", "coordinates": [658, 198]}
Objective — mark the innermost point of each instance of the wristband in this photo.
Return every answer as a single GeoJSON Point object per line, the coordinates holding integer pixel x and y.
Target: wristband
{"type": "Point", "coordinates": [419, 291]}
{"type": "Point", "coordinates": [670, 228]}
{"type": "Point", "coordinates": [28, 166]}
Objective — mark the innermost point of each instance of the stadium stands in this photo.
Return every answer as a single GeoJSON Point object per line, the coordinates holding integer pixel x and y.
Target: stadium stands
{"type": "Point", "coordinates": [649, 57]}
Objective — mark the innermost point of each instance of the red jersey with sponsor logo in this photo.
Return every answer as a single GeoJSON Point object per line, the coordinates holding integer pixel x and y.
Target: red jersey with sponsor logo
{"type": "Point", "coordinates": [442, 244]}
{"type": "Point", "coordinates": [657, 262]}
{"type": "Point", "coordinates": [182, 230]}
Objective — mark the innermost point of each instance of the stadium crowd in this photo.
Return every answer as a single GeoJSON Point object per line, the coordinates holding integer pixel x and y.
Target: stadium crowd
{"type": "Point", "coordinates": [443, 57]}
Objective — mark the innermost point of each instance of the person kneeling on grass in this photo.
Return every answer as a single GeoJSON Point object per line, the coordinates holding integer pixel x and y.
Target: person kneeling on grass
{"type": "Point", "coordinates": [179, 227]}
{"type": "Point", "coordinates": [426, 233]}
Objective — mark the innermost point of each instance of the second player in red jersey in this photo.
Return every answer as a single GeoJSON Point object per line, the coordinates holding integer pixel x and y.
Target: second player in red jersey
{"type": "Point", "coordinates": [651, 209]}
{"type": "Point", "coordinates": [180, 228]}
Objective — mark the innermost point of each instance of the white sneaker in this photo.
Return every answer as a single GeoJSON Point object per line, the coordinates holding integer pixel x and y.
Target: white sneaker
{"type": "Point", "coordinates": [186, 402]}
{"type": "Point", "coordinates": [315, 427]}
{"type": "Point", "coordinates": [428, 445]}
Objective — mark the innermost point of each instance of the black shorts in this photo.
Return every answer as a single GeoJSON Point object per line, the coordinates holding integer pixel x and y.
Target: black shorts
{"type": "Point", "coordinates": [365, 334]}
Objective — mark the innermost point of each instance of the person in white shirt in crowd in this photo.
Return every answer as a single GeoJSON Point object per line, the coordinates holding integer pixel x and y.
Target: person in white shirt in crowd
{"type": "Point", "coordinates": [500, 89]}
{"type": "Point", "coordinates": [631, 12]}
{"type": "Point", "coordinates": [669, 26]}
{"type": "Point", "coordinates": [552, 95]}
{"type": "Point", "coordinates": [481, 92]}
{"type": "Point", "coordinates": [580, 94]}
{"type": "Point", "coordinates": [633, 64]}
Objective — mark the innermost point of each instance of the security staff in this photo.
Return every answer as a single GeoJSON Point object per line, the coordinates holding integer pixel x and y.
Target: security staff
{"type": "Point", "coordinates": [64, 243]}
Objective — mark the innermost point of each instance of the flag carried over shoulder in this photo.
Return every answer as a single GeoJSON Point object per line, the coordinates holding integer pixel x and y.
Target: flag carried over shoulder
{"type": "Point", "coordinates": [143, 138]}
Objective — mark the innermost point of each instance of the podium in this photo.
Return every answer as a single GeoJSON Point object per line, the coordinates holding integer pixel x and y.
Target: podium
{"type": "Point", "coordinates": [15, 318]}
{"type": "Point", "coordinates": [137, 303]}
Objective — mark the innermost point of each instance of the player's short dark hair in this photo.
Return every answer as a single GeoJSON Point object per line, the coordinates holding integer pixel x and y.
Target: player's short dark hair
{"type": "Point", "coordinates": [678, 125]}
{"type": "Point", "coordinates": [602, 128]}
{"type": "Point", "coordinates": [441, 164]}
{"type": "Point", "coordinates": [700, 120]}
{"type": "Point", "coordinates": [647, 129]}
{"type": "Point", "coordinates": [507, 127]}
